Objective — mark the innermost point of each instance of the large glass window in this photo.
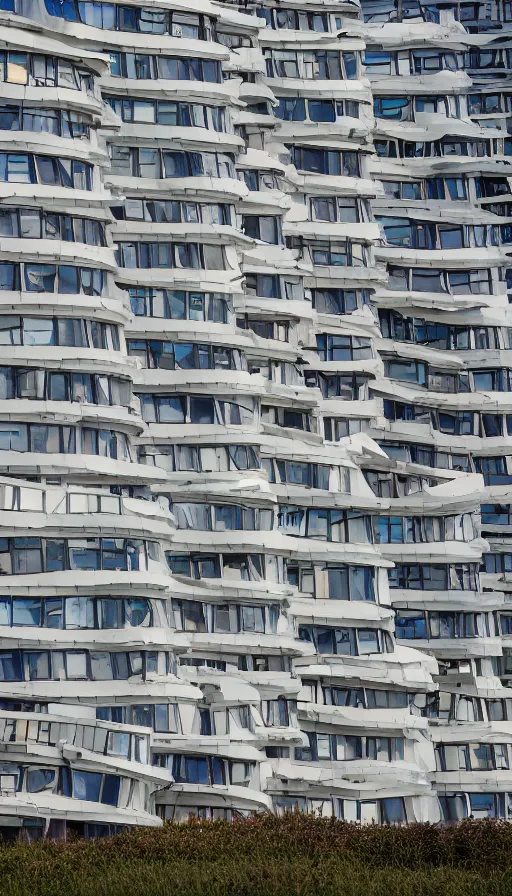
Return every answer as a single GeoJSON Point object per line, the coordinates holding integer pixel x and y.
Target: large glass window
{"type": "Point", "coordinates": [156, 164]}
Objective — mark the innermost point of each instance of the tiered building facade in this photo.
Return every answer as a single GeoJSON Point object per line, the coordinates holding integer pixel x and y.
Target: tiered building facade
{"type": "Point", "coordinates": [255, 462]}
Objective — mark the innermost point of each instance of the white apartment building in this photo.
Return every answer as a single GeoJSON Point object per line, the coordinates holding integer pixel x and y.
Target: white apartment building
{"type": "Point", "coordinates": [255, 440]}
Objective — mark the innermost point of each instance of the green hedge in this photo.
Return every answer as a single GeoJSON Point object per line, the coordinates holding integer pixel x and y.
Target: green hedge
{"type": "Point", "coordinates": [297, 855]}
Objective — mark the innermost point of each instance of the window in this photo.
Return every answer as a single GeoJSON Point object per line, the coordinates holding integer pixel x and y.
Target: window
{"type": "Point", "coordinates": [393, 811]}
{"type": "Point", "coordinates": [9, 276]}
{"type": "Point", "coordinates": [411, 624]}
{"type": "Point", "coordinates": [350, 583]}
{"type": "Point", "coordinates": [320, 161]}
{"type": "Point", "coordinates": [296, 20]}
{"type": "Point", "coordinates": [344, 253]}
{"type": "Point", "coordinates": [172, 212]}
{"type": "Point", "coordinates": [290, 109]}
{"type": "Point", "coordinates": [454, 806]}
{"type": "Point", "coordinates": [60, 331]}
{"type": "Point", "coordinates": [36, 224]}
{"type": "Point", "coordinates": [194, 409]}
{"type": "Point", "coordinates": [328, 525]}
{"type": "Point", "coordinates": [338, 301]}
{"type": "Point", "coordinates": [458, 423]}
{"type": "Point", "coordinates": [27, 555]}
{"type": "Point", "coordinates": [428, 61]}
{"type": "Point", "coordinates": [311, 64]}
{"type": "Point", "coordinates": [77, 665]}
{"type": "Point", "coordinates": [427, 577]}
{"type": "Point", "coordinates": [171, 255]}
{"type": "Point", "coordinates": [39, 779]}
{"type": "Point", "coordinates": [191, 769]}
{"type": "Point", "coordinates": [343, 348]}
{"type": "Point", "coordinates": [433, 105]}
{"type": "Point", "coordinates": [180, 305]}
{"type": "Point", "coordinates": [341, 209]}
{"type": "Point", "coordinates": [133, 19]}
{"type": "Point", "coordinates": [96, 788]}
{"type": "Point", "coordinates": [265, 228]}
{"type": "Point", "coordinates": [346, 641]}
{"type": "Point", "coordinates": [377, 62]}
{"type": "Point", "coordinates": [186, 356]}
{"type": "Point", "coordinates": [437, 335]}
{"type": "Point", "coordinates": [59, 122]}
{"type": "Point", "coordinates": [64, 279]}
{"type": "Point", "coordinates": [470, 282]}
{"type": "Point", "coordinates": [156, 164]}
{"type": "Point", "coordinates": [168, 113]}
{"type": "Point", "coordinates": [393, 108]}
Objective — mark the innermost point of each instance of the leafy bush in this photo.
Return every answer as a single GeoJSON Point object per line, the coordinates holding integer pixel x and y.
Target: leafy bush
{"type": "Point", "coordinates": [296, 855]}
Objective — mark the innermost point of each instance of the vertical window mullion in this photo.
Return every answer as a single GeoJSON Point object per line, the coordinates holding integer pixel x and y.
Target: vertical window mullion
{"type": "Point", "coordinates": [101, 541]}
{"type": "Point", "coordinates": [329, 526]}
{"type": "Point", "coordinates": [95, 612]}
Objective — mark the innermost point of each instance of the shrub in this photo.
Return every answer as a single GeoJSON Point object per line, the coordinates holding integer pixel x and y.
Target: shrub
{"type": "Point", "coordinates": [295, 855]}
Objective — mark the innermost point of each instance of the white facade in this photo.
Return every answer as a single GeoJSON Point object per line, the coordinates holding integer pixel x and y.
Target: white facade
{"type": "Point", "coordinates": [254, 333]}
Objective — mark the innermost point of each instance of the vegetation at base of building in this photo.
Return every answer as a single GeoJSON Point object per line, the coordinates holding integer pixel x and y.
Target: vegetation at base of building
{"type": "Point", "coordinates": [295, 855]}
